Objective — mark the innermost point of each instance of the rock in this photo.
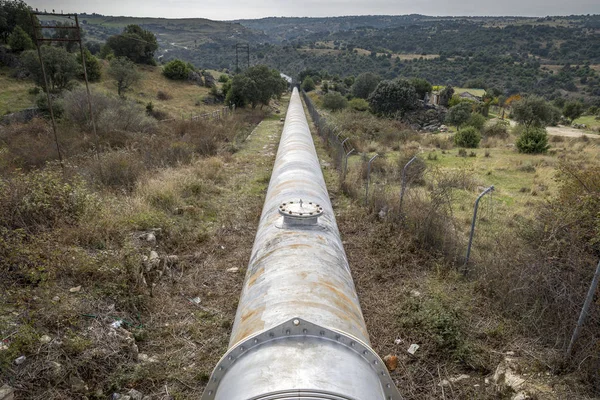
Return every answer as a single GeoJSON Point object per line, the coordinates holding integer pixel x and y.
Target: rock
{"type": "Point", "coordinates": [506, 375]}
{"type": "Point", "coordinates": [151, 238]}
{"type": "Point", "coordinates": [522, 396]}
{"type": "Point", "coordinates": [135, 395]}
{"type": "Point", "coordinates": [77, 384]}
{"type": "Point", "coordinates": [398, 341]}
{"type": "Point", "coordinates": [56, 298]}
{"type": "Point", "coordinates": [391, 362]}
{"type": "Point", "coordinates": [75, 289]}
{"type": "Point", "coordinates": [7, 393]}
{"type": "Point", "coordinates": [20, 360]}
{"type": "Point", "coordinates": [415, 293]}
{"type": "Point", "coordinates": [45, 339]}
{"type": "Point", "coordinates": [234, 269]}
{"type": "Point", "coordinates": [413, 349]}
{"type": "Point", "coordinates": [145, 358]}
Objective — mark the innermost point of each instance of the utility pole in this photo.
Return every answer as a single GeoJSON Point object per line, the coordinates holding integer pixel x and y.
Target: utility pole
{"type": "Point", "coordinates": [41, 39]}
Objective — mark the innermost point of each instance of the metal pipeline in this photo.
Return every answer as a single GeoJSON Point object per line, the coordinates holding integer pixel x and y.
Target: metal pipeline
{"type": "Point", "coordinates": [299, 331]}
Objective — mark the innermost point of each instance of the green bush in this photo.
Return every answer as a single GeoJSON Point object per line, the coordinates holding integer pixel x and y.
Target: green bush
{"type": "Point", "coordinates": [334, 101]}
{"type": "Point", "coordinates": [533, 140]}
{"type": "Point", "coordinates": [40, 200]}
{"type": "Point", "coordinates": [176, 70]}
{"type": "Point", "coordinates": [58, 106]}
{"type": "Point", "coordinates": [467, 137]}
{"type": "Point", "coordinates": [476, 120]}
{"type": "Point", "coordinates": [224, 78]}
{"type": "Point", "coordinates": [308, 84]}
{"type": "Point", "coordinates": [19, 40]}
{"type": "Point", "coordinates": [359, 104]}
{"type": "Point", "coordinates": [496, 129]}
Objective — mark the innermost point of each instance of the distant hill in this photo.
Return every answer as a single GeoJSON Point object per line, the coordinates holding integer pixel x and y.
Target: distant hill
{"type": "Point", "coordinates": [190, 35]}
{"type": "Point", "coordinates": [550, 56]}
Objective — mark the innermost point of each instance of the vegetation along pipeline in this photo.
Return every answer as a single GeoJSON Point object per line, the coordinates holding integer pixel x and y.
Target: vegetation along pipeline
{"type": "Point", "coordinates": [299, 328]}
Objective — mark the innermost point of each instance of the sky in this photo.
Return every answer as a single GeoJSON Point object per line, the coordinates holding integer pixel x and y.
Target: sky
{"type": "Point", "coordinates": [244, 9]}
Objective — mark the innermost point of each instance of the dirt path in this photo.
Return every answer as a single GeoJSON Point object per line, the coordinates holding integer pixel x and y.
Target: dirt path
{"type": "Point", "coordinates": [564, 131]}
{"type": "Point", "coordinates": [570, 132]}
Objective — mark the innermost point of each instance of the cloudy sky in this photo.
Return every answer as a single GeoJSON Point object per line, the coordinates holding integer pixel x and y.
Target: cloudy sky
{"type": "Point", "coordinates": [239, 9]}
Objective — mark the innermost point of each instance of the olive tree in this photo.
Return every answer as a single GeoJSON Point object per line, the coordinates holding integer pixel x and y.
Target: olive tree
{"type": "Point", "coordinates": [60, 65]}
{"type": "Point", "coordinates": [123, 71]}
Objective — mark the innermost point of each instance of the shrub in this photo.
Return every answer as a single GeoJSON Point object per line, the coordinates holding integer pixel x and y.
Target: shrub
{"type": "Point", "coordinates": [223, 78]}
{"type": "Point", "coordinates": [58, 107]}
{"type": "Point", "coordinates": [496, 128]}
{"type": "Point", "coordinates": [93, 67]}
{"type": "Point", "coordinates": [162, 95]}
{"type": "Point", "coordinates": [365, 84]}
{"type": "Point", "coordinates": [533, 140]}
{"type": "Point", "coordinates": [117, 170]}
{"type": "Point", "coordinates": [308, 84]}
{"type": "Point", "coordinates": [39, 200]}
{"type": "Point", "coordinates": [359, 104]}
{"type": "Point", "coordinates": [19, 40]}
{"type": "Point", "coordinates": [468, 137]}
{"type": "Point", "coordinates": [111, 113]}
{"type": "Point", "coordinates": [391, 97]}
{"type": "Point", "coordinates": [477, 121]}
{"type": "Point", "coordinates": [176, 70]}
{"type": "Point", "coordinates": [334, 101]}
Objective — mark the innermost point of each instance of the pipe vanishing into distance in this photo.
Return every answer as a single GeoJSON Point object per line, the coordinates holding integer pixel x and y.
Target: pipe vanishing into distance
{"type": "Point", "coordinates": [299, 331]}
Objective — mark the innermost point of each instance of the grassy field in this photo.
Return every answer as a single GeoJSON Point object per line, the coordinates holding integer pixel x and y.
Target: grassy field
{"type": "Point", "coordinates": [589, 120]}
{"type": "Point", "coordinates": [185, 97]}
{"type": "Point", "coordinates": [14, 95]}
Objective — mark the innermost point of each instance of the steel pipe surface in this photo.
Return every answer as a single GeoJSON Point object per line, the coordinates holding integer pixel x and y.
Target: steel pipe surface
{"type": "Point", "coordinates": [299, 331]}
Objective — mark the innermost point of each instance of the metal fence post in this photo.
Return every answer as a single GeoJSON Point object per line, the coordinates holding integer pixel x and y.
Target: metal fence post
{"type": "Point", "coordinates": [585, 309]}
{"type": "Point", "coordinates": [403, 185]}
{"type": "Point", "coordinates": [491, 188]}
{"type": "Point", "coordinates": [346, 163]}
{"type": "Point", "coordinates": [369, 178]}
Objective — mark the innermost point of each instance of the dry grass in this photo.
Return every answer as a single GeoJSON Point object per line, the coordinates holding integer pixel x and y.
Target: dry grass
{"type": "Point", "coordinates": [144, 194]}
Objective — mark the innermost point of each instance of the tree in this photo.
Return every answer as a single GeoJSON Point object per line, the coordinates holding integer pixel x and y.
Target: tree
{"type": "Point", "coordinates": [176, 70]}
{"type": "Point", "coordinates": [534, 139]}
{"type": "Point", "coordinates": [445, 95]}
{"type": "Point", "coordinates": [61, 67]}
{"type": "Point", "coordinates": [308, 84]}
{"type": "Point", "coordinates": [533, 111]}
{"type": "Point", "coordinates": [19, 40]}
{"type": "Point", "coordinates": [365, 84]}
{"type": "Point", "coordinates": [391, 97]}
{"type": "Point", "coordinates": [459, 114]}
{"type": "Point", "coordinates": [14, 13]}
{"type": "Point", "coordinates": [123, 71]}
{"type": "Point", "coordinates": [134, 43]}
{"type": "Point", "coordinates": [257, 85]}
{"type": "Point", "coordinates": [573, 110]}
{"type": "Point", "coordinates": [468, 137]}
{"type": "Point", "coordinates": [92, 66]}
{"type": "Point", "coordinates": [476, 120]}
{"type": "Point", "coordinates": [422, 86]}
{"type": "Point", "coordinates": [334, 101]}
